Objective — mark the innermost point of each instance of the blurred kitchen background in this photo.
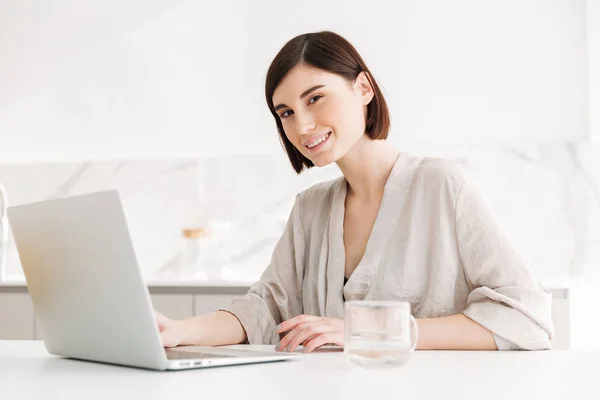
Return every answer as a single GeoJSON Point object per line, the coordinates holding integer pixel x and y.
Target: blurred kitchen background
{"type": "Point", "coordinates": [164, 102]}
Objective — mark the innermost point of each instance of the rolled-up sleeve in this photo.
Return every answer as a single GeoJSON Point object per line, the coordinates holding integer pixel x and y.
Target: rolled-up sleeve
{"type": "Point", "coordinates": [277, 296]}
{"type": "Point", "coordinates": [505, 298]}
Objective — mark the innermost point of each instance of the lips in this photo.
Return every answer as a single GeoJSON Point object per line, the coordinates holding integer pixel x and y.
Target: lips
{"type": "Point", "coordinates": [317, 140]}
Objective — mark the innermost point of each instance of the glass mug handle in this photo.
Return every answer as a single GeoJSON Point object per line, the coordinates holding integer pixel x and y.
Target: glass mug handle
{"type": "Point", "coordinates": [414, 333]}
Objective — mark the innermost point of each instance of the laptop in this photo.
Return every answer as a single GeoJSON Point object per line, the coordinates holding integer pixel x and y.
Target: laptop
{"type": "Point", "coordinates": [88, 292]}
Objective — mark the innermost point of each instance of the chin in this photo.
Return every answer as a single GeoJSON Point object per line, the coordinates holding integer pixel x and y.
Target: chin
{"type": "Point", "coordinates": [324, 161]}
{"type": "Point", "coordinates": [322, 164]}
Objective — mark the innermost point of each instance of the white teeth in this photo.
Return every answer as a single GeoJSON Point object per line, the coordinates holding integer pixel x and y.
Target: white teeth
{"type": "Point", "coordinates": [318, 141]}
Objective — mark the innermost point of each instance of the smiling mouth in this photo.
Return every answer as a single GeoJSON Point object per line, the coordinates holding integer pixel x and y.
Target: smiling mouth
{"type": "Point", "coordinates": [318, 142]}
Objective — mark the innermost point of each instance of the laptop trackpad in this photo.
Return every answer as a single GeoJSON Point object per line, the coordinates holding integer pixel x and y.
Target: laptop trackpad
{"type": "Point", "coordinates": [192, 355]}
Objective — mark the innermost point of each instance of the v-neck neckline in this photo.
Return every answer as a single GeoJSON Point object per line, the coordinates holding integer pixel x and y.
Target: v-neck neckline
{"type": "Point", "coordinates": [395, 191]}
{"type": "Point", "coordinates": [377, 224]}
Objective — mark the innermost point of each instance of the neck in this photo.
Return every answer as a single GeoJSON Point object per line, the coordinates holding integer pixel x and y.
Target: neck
{"type": "Point", "coordinates": [367, 167]}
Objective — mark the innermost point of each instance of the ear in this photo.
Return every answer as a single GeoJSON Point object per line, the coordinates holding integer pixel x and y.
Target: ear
{"type": "Point", "coordinates": [363, 87]}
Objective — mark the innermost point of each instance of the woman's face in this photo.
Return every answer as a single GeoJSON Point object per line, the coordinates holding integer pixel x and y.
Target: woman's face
{"type": "Point", "coordinates": [322, 114]}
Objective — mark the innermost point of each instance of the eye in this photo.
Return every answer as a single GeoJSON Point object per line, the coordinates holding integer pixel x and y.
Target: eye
{"type": "Point", "coordinates": [314, 99]}
{"type": "Point", "coordinates": [285, 114]}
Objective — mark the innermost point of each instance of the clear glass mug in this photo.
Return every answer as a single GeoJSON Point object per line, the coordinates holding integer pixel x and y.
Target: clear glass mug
{"type": "Point", "coordinates": [379, 334]}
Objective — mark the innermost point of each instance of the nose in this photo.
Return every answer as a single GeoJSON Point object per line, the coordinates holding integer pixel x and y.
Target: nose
{"type": "Point", "coordinates": [304, 123]}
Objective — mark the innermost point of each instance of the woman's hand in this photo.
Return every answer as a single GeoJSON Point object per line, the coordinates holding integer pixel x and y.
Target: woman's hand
{"type": "Point", "coordinates": [172, 332]}
{"type": "Point", "coordinates": [310, 331]}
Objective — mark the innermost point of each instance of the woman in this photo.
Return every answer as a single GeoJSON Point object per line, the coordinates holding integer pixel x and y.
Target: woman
{"type": "Point", "coordinates": [394, 227]}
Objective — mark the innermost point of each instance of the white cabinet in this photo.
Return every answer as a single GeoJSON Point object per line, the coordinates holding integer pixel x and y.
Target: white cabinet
{"type": "Point", "coordinates": [206, 303]}
{"type": "Point", "coordinates": [561, 317]}
{"type": "Point", "coordinates": [177, 306]}
{"type": "Point", "coordinates": [174, 306]}
{"type": "Point", "coordinates": [16, 316]}
{"type": "Point", "coordinates": [38, 330]}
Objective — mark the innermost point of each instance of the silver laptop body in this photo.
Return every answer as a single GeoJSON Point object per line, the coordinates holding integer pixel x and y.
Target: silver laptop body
{"type": "Point", "coordinates": [88, 292]}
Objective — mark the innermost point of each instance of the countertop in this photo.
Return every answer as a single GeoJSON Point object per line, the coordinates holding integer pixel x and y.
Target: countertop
{"type": "Point", "coordinates": [559, 286]}
{"type": "Point", "coordinates": [171, 286]}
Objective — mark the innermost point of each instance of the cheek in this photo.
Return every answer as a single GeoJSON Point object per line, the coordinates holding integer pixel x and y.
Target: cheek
{"type": "Point", "coordinates": [346, 116]}
{"type": "Point", "coordinates": [335, 114]}
{"type": "Point", "coordinates": [288, 129]}
{"type": "Point", "coordinates": [290, 134]}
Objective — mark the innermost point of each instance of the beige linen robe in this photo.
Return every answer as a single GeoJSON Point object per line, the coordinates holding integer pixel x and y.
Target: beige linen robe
{"type": "Point", "coordinates": [435, 243]}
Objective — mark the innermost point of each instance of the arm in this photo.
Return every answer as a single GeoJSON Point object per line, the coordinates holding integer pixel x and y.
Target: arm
{"type": "Point", "coordinates": [219, 328]}
{"type": "Point", "coordinates": [504, 297]}
{"type": "Point", "coordinates": [460, 333]}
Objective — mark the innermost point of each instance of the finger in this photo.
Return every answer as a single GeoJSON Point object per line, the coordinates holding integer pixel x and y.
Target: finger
{"type": "Point", "coordinates": [308, 331]}
{"type": "Point", "coordinates": [303, 332]}
{"type": "Point", "coordinates": [292, 322]}
{"type": "Point", "coordinates": [285, 341]}
{"type": "Point", "coordinates": [169, 338]}
{"type": "Point", "coordinates": [321, 340]}
{"type": "Point", "coordinates": [309, 339]}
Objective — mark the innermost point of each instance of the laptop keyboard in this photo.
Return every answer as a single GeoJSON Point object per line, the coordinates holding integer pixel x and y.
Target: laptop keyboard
{"type": "Point", "coordinates": [187, 355]}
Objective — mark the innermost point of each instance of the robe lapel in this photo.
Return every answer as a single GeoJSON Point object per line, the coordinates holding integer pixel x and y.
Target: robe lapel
{"type": "Point", "coordinates": [395, 192]}
{"type": "Point", "coordinates": [336, 254]}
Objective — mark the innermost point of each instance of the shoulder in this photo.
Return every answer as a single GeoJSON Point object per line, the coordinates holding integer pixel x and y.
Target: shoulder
{"type": "Point", "coordinates": [440, 170]}
{"type": "Point", "coordinates": [319, 194]}
{"type": "Point", "coordinates": [438, 177]}
{"type": "Point", "coordinates": [313, 206]}
{"type": "Point", "coordinates": [434, 173]}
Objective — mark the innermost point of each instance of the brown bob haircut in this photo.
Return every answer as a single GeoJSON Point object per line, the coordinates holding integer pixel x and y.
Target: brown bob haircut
{"type": "Point", "coordinates": [330, 52]}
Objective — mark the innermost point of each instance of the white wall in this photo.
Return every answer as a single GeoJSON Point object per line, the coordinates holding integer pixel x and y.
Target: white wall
{"type": "Point", "coordinates": [593, 45]}
{"type": "Point", "coordinates": [164, 78]}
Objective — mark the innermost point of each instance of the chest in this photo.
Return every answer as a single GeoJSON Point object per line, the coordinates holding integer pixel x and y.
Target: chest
{"type": "Point", "coordinates": [358, 224]}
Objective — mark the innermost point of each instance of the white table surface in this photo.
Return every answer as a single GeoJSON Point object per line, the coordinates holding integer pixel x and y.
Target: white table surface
{"type": "Point", "coordinates": [27, 371]}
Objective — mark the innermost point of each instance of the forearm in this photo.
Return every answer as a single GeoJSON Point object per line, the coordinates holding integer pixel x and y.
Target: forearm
{"type": "Point", "coordinates": [219, 328]}
{"type": "Point", "coordinates": [454, 332]}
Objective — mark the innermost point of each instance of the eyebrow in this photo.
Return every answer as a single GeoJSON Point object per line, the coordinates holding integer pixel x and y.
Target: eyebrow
{"type": "Point", "coordinates": [303, 95]}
